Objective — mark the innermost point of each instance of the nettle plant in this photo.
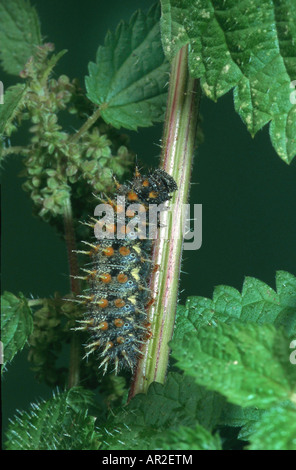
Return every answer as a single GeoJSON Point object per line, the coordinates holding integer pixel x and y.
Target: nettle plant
{"type": "Point", "coordinates": [232, 376]}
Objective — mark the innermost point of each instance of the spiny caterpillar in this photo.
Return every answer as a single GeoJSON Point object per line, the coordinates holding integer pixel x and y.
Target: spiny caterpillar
{"type": "Point", "coordinates": [118, 274]}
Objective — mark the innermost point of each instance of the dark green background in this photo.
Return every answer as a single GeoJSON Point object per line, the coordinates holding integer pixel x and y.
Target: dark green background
{"type": "Point", "coordinates": [248, 194]}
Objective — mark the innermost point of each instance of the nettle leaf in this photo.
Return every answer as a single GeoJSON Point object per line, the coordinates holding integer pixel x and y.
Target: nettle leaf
{"type": "Point", "coordinates": [16, 324]}
{"type": "Point", "coordinates": [257, 303]}
{"type": "Point", "coordinates": [276, 430]}
{"type": "Point", "coordinates": [247, 363]}
{"type": "Point", "coordinates": [248, 46]}
{"type": "Point", "coordinates": [61, 423]}
{"type": "Point", "coordinates": [159, 415]}
{"type": "Point", "coordinates": [128, 80]}
{"type": "Point", "coordinates": [19, 34]}
{"type": "Point", "coordinates": [185, 438]}
{"type": "Point", "coordinates": [245, 418]}
{"type": "Point", "coordinates": [13, 99]}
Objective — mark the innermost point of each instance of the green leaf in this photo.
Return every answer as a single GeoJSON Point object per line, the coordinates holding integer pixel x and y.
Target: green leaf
{"type": "Point", "coordinates": [257, 303]}
{"type": "Point", "coordinates": [233, 415]}
{"type": "Point", "coordinates": [19, 34]}
{"type": "Point", "coordinates": [247, 363]}
{"type": "Point", "coordinates": [178, 403]}
{"type": "Point", "coordinates": [245, 418]}
{"type": "Point", "coordinates": [248, 46]}
{"type": "Point", "coordinates": [286, 289]}
{"type": "Point", "coordinates": [185, 438]}
{"type": "Point", "coordinates": [61, 423]}
{"type": "Point", "coordinates": [16, 324]}
{"type": "Point", "coordinates": [276, 430]}
{"type": "Point", "coordinates": [128, 80]}
{"type": "Point", "coordinates": [13, 99]}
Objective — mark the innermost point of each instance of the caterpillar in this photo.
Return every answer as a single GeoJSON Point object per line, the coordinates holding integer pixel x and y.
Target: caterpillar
{"type": "Point", "coordinates": [118, 274]}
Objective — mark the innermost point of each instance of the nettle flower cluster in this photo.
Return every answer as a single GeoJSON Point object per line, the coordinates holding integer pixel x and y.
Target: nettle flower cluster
{"type": "Point", "coordinates": [60, 164]}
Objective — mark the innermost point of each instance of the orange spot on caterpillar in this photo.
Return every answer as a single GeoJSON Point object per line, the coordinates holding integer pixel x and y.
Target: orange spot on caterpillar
{"type": "Point", "coordinates": [132, 196]}
{"type": "Point", "coordinates": [108, 251]}
{"type": "Point", "coordinates": [103, 303]}
{"type": "Point", "coordinates": [124, 250]}
{"type": "Point", "coordinates": [119, 303]}
{"type": "Point", "coordinates": [120, 339]}
{"type": "Point", "coordinates": [103, 326]}
{"type": "Point", "coordinates": [105, 277]}
{"type": "Point", "coordinates": [122, 278]}
{"type": "Point", "coordinates": [109, 344]}
{"type": "Point", "coordinates": [118, 322]}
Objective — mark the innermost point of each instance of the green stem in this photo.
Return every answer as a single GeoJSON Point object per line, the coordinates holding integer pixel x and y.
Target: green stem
{"type": "Point", "coordinates": [179, 139]}
{"type": "Point", "coordinates": [84, 128]}
{"type": "Point", "coordinates": [35, 302]}
{"type": "Point", "coordinates": [15, 150]}
{"type": "Point", "coordinates": [75, 287]}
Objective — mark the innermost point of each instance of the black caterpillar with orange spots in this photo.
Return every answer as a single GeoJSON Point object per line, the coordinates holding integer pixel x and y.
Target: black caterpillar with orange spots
{"type": "Point", "coordinates": [118, 273]}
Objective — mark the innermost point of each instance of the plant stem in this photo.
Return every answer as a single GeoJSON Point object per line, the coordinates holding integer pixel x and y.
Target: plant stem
{"type": "Point", "coordinates": [15, 150]}
{"type": "Point", "coordinates": [90, 121]}
{"type": "Point", "coordinates": [179, 139]}
{"type": "Point", "coordinates": [75, 288]}
{"type": "Point", "coordinates": [35, 302]}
